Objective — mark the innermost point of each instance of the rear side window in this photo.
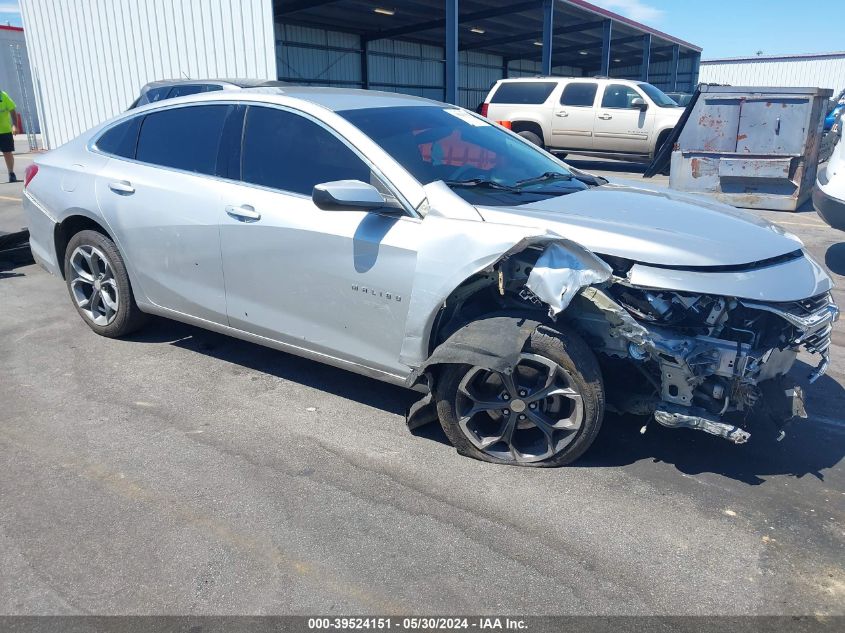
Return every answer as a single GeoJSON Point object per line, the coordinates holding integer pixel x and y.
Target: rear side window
{"type": "Point", "coordinates": [523, 92]}
{"type": "Point", "coordinates": [151, 96]}
{"type": "Point", "coordinates": [286, 151]}
{"type": "Point", "coordinates": [183, 138]}
{"type": "Point", "coordinates": [579, 94]}
{"type": "Point", "coordinates": [121, 139]}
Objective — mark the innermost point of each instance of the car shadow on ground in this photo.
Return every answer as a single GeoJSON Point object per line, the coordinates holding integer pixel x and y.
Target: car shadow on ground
{"type": "Point", "coordinates": [339, 382]}
{"type": "Point", "coordinates": [834, 258]}
{"type": "Point", "coordinates": [808, 449]}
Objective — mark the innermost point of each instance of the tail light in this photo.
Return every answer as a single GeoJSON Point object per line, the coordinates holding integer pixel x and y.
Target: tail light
{"type": "Point", "coordinates": [484, 108]}
{"type": "Point", "coordinates": [29, 174]}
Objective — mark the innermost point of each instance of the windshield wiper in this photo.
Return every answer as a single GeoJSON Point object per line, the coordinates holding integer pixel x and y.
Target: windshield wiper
{"type": "Point", "coordinates": [482, 182]}
{"type": "Point", "coordinates": [546, 177]}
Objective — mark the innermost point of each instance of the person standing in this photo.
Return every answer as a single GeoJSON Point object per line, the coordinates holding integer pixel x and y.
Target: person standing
{"type": "Point", "coordinates": [8, 129]}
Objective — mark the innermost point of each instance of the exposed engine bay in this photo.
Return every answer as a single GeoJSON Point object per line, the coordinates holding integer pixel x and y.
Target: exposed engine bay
{"type": "Point", "coordinates": [713, 363]}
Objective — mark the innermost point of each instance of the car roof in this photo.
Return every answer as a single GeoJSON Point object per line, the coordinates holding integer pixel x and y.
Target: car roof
{"type": "Point", "coordinates": [338, 99]}
{"type": "Point", "coordinates": [540, 78]}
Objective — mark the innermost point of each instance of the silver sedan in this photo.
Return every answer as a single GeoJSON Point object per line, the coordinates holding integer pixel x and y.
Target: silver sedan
{"type": "Point", "coordinates": [423, 245]}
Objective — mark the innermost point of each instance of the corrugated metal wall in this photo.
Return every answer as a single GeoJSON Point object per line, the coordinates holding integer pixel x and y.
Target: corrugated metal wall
{"type": "Point", "coordinates": [9, 79]}
{"type": "Point", "coordinates": [817, 72]}
{"type": "Point", "coordinates": [90, 57]}
{"type": "Point", "coordinates": [660, 74]}
{"type": "Point", "coordinates": [318, 57]}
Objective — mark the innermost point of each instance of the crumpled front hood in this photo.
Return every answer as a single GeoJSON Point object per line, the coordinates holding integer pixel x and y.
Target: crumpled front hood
{"type": "Point", "coordinates": [654, 226]}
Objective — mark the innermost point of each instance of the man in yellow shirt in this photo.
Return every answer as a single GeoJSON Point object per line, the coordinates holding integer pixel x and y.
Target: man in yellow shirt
{"type": "Point", "coordinates": [7, 131]}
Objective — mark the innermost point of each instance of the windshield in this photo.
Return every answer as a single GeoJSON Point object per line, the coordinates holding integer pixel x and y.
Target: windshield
{"type": "Point", "coordinates": [658, 96]}
{"type": "Point", "coordinates": [481, 162]}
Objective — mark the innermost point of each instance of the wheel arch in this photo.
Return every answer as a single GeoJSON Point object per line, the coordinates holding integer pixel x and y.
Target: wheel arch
{"type": "Point", "coordinates": [75, 221]}
{"type": "Point", "coordinates": [661, 137]}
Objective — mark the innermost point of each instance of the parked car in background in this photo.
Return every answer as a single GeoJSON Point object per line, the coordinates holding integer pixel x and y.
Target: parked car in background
{"type": "Point", "coordinates": [681, 98]}
{"type": "Point", "coordinates": [172, 88]}
{"type": "Point", "coordinates": [835, 112]}
{"type": "Point", "coordinates": [829, 193]}
{"type": "Point", "coordinates": [594, 116]}
{"type": "Point", "coordinates": [419, 243]}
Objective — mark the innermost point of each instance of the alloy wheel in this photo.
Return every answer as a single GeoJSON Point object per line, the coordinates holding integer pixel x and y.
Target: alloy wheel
{"type": "Point", "coordinates": [93, 284]}
{"type": "Point", "coordinates": [528, 415]}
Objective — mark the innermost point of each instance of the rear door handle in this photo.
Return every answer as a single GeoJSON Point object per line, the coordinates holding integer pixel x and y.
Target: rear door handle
{"type": "Point", "coordinates": [245, 213]}
{"type": "Point", "coordinates": [122, 187]}
{"type": "Point", "coordinates": [561, 113]}
{"type": "Point", "coordinates": [605, 116]}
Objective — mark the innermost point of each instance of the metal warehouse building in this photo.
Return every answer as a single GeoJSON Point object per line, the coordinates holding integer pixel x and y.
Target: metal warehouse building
{"type": "Point", "coordinates": [96, 54]}
{"type": "Point", "coordinates": [822, 70]}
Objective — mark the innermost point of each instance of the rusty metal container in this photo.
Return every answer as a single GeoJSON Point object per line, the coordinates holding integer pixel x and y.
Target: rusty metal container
{"type": "Point", "coordinates": [754, 147]}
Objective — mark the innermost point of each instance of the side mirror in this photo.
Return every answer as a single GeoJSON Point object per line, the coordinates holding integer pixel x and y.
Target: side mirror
{"type": "Point", "coordinates": [350, 195]}
{"type": "Point", "coordinates": [639, 103]}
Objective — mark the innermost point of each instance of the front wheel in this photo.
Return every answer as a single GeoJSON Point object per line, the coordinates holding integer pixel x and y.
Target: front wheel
{"type": "Point", "coordinates": [547, 412]}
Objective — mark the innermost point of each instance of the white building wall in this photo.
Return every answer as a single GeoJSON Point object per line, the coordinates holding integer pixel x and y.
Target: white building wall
{"type": "Point", "coordinates": [89, 58]}
{"type": "Point", "coordinates": [820, 71]}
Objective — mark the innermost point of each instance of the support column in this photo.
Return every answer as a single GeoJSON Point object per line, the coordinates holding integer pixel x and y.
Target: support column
{"type": "Point", "coordinates": [606, 35]}
{"type": "Point", "coordinates": [646, 56]}
{"type": "Point", "coordinates": [676, 58]}
{"type": "Point", "coordinates": [365, 64]}
{"type": "Point", "coordinates": [548, 26]}
{"type": "Point", "coordinates": [451, 74]}
{"type": "Point", "coordinates": [696, 63]}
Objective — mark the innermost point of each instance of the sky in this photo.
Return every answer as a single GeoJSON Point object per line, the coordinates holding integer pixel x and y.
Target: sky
{"type": "Point", "coordinates": [738, 28]}
{"type": "Point", "coordinates": [723, 28]}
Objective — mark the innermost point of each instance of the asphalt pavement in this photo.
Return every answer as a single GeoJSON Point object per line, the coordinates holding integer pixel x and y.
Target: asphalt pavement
{"type": "Point", "coordinates": [184, 472]}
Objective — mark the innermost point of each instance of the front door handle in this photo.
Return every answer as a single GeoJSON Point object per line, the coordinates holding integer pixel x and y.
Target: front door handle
{"type": "Point", "coordinates": [122, 187]}
{"type": "Point", "coordinates": [561, 113]}
{"type": "Point", "coordinates": [605, 116]}
{"type": "Point", "coordinates": [245, 213]}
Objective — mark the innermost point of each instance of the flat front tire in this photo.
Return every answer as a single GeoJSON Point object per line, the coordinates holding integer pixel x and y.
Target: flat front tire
{"type": "Point", "coordinates": [547, 412]}
{"type": "Point", "coordinates": [99, 285]}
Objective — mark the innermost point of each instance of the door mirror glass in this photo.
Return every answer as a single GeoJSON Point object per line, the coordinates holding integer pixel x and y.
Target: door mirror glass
{"type": "Point", "coordinates": [351, 195]}
{"type": "Point", "coordinates": [639, 103]}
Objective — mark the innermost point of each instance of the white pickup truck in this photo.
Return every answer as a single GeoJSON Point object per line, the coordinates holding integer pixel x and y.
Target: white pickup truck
{"type": "Point", "coordinates": [615, 118]}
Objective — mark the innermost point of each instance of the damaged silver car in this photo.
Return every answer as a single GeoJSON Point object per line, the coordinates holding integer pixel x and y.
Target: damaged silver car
{"type": "Point", "coordinates": [420, 244]}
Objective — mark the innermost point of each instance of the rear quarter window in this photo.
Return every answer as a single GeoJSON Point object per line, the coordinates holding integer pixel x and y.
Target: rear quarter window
{"type": "Point", "coordinates": [523, 92]}
{"type": "Point", "coordinates": [121, 139]}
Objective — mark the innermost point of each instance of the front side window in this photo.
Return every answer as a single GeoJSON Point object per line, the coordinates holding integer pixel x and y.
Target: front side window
{"type": "Point", "coordinates": [473, 156]}
{"type": "Point", "coordinates": [523, 92]}
{"type": "Point", "coordinates": [619, 97]}
{"type": "Point", "coordinates": [286, 151]}
{"type": "Point", "coordinates": [121, 139]}
{"type": "Point", "coordinates": [659, 97]}
{"type": "Point", "coordinates": [183, 138]}
{"type": "Point", "coordinates": [579, 94]}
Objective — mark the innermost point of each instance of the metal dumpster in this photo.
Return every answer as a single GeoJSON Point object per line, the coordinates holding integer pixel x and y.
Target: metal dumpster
{"type": "Point", "coordinates": [751, 146]}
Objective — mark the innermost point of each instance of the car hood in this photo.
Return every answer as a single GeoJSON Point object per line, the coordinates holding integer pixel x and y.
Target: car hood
{"type": "Point", "coordinates": [653, 226]}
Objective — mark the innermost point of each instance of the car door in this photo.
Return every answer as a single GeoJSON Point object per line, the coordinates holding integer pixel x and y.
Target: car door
{"type": "Point", "coordinates": [164, 205]}
{"type": "Point", "coordinates": [332, 282]}
{"type": "Point", "coordinates": [573, 116]}
{"type": "Point", "coordinates": [619, 125]}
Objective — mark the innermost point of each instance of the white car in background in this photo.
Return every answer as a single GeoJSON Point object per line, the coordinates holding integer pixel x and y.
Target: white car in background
{"type": "Point", "coordinates": [615, 118]}
{"type": "Point", "coordinates": [829, 194]}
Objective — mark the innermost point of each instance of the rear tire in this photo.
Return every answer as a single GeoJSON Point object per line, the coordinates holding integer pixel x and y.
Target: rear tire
{"type": "Point", "coordinates": [530, 136]}
{"type": "Point", "coordinates": [509, 420]}
{"type": "Point", "coordinates": [99, 285]}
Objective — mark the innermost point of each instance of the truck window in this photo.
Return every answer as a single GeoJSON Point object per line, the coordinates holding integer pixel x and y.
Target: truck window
{"type": "Point", "coordinates": [579, 94]}
{"type": "Point", "coordinates": [523, 92]}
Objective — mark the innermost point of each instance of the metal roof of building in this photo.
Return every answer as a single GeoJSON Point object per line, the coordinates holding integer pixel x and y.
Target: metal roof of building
{"type": "Point", "coordinates": [764, 58]}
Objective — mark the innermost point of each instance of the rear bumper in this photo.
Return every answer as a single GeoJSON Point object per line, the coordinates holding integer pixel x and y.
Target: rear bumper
{"type": "Point", "coordinates": [830, 209]}
{"type": "Point", "coordinates": [42, 234]}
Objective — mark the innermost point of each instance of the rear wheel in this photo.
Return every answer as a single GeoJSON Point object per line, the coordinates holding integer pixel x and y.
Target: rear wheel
{"type": "Point", "coordinates": [547, 412]}
{"type": "Point", "coordinates": [531, 136]}
{"type": "Point", "coordinates": [99, 285]}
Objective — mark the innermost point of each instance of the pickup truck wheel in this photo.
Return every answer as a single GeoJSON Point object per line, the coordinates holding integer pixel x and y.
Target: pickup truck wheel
{"type": "Point", "coordinates": [547, 412]}
{"type": "Point", "coordinates": [530, 136]}
{"type": "Point", "coordinates": [99, 285]}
